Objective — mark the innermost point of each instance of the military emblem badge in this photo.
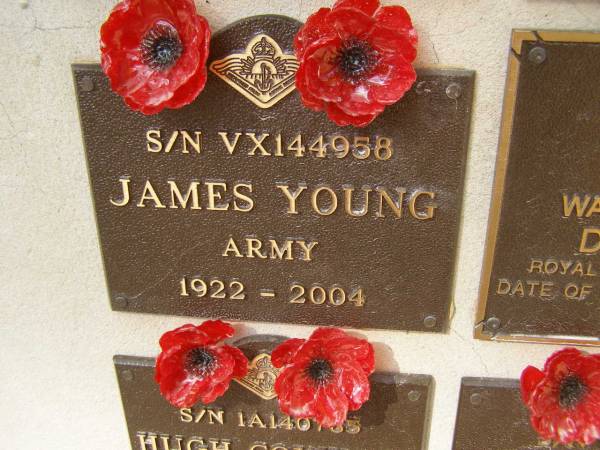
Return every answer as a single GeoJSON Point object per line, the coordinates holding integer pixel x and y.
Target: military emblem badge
{"type": "Point", "coordinates": [263, 74]}
{"type": "Point", "coordinates": [261, 377]}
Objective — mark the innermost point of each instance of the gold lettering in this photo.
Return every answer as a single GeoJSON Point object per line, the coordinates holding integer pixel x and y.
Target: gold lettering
{"type": "Point", "coordinates": [150, 194]}
{"type": "Point", "coordinates": [429, 210]}
{"type": "Point", "coordinates": [396, 207]}
{"type": "Point", "coordinates": [536, 265]}
{"type": "Point", "coordinates": [259, 447]}
{"type": "Point", "coordinates": [292, 196]}
{"type": "Point", "coordinates": [503, 286]}
{"type": "Point", "coordinates": [183, 201]}
{"type": "Point", "coordinates": [172, 141]}
{"type": "Point", "coordinates": [244, 198]}
{"type": "Point", "coordinates": [348, 202]}
{"type": "Point", "coordinates": [196, 144]}
{"type": "Point", "coordinates": [333, 201]}
{"type": "Point", "coordinates": [186, 415]}
{"type": "Point", "coordinates": [586, 246]}
{"type": "Point", "coordinates": [212, 196]}
{"type": "Point", "coordinates": [215, 416]}
{"type": "Point", "coordinates": [307, 249]}
{"type": "Point", "coordinates": [279, 252]}
{"type": "Point", "coordinates": [200, 442]}
{"type": "Point", "coordinates": [258, 144]}
{"type": "Point", "coordinates": [595, 208]}
{"type": "Point", "coordinates": [232, 247]}
{"type": "Point", "coordinates": [219, 445]}
{"type": "Point", "coordinates": [152, 140]}
{"type": "Point", "coordinates": [256, 420]}
{"type": "Point", "coordinates": [254, 246]}
{"type": "Point", "coordinates": [228, 144]}
{"type": "Point", "coordinates": [167, 440]}
{"type": "Point", "coordinates": [125, 187]}
{"type": "Point", "coordinates": [147, 439]}
{"type": "Point", "coordinates": [570, 204]}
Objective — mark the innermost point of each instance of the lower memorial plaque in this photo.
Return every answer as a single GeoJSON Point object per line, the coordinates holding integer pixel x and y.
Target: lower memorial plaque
{"type": "Point", "coordinates": [247, 417]}
{"type": "Point", "coordinates": [541, 274]}
{"type": "Point", "coordinates": [492, 416]}
{"type": "Point", "coordinates": [247, 206]}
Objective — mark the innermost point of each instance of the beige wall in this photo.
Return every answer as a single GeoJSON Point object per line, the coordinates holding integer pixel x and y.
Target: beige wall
{"type": "Point", "coordinates": [58, 335]}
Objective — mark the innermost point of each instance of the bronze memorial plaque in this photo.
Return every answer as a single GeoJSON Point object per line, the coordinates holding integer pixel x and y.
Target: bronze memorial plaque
{"type": "Point", "coordinates": [247, 417]}
{"type": "Point", "coordinates": [541, 274]}
{"type": "Point", "coordinates": [491, 416]}
{"type": "Point", "coordinates": [247, 206]}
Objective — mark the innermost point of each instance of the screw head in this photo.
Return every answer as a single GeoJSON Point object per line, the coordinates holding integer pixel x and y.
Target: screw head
{"type": "Point", "coordinates": [422, 88]}
{"type": "Point", "coordinates": [87, 84]}
{"type": "Point", "coordinates": [537, 55]}
{"type": "Point", "coordinates": [454, 90]}
{"type": "Point", "coordinates": [120, 302]}
{"type": "Point", "coordinates": [127, 375]}
{"type": "Point", "coordinates": [414, 396]}
{"type": "Point", "coordinates": [493, 323]}
{"type": "Point", "coordinates": [476, 399]}
{"type": "Point", "coordinates": [430, 321]}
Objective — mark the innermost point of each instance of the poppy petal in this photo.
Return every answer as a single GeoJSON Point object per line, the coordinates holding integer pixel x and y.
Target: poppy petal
{"type": "Point", "coordinates": [216, 330]}
{"type": "Point", "coordinates": [285, 352]}
{"type": "Point", "coordinates": [397, 19]}
{"type": "Point", "coordinates": [530, 378]}
{"type": "Point", "coordinates": [316, 27]}
{"type": "Point", "coordinates": [366, 6]}
{"type": "Point", "coordinates": [188, 335]}
{"type": "Point", "coordinates": [342, 119]}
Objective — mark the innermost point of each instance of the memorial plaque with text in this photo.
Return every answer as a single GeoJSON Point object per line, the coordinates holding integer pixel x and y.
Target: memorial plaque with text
{"type": "Point", "coordinates": [541, 274]}
{"type": "Point", "coordinates": [247, 417]}
{"type": "Point", "coordinates": [247, 206]}
{"type": "Point", "coordinates": [491, 416]}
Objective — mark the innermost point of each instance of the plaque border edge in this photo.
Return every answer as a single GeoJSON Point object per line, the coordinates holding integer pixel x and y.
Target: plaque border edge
{"type": "Point", "coordinates": [518, 37]}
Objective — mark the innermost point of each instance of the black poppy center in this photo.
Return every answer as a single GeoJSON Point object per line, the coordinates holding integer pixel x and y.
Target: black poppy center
{"type": "Point", "coordinates": [571, 392]}
{"type": "Point", "coordinates": [320, 371]}
{"type": "Point", "coordinates": [200, 361]}
{"type": "Point", "coordinates": [356, 59]}
{"type": "Point", "coordinates": [161, 46]}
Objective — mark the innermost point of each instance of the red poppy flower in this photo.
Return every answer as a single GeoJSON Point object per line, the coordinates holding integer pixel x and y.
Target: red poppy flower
{"type": "Point", "coordinates": [323, 377]}
{"type": "Point", "coordinates": [564, 399]}
{"type": "Point", "coordinates": [355, 59]}
{"type": "Point", "coordinates": [193, 366]}
{"type": "Point", "coordinates": [154, 53]}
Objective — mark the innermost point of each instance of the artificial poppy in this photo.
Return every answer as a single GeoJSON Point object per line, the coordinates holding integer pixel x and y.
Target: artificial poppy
{"type": "Point", "coordinates": [564, 398]}
{"type": "Point", "coordinates": [194, 365]}
{"type": "Point", "coordinates": [355, 59]}
{"type": "Point", "coordinates": [324, 376]}
{"type": "Point", "coordinates": [154, 52]}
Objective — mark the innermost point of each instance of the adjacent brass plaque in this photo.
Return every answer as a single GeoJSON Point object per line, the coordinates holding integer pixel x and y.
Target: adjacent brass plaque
{"type": "Point", "coordinates": [247, 206]}
{"type": "Point", "coordinates": [541, 274]}
{"type": "Point", "coordinates": [491, 416]}
{"type": "Point", "coordinates": [395, 418]}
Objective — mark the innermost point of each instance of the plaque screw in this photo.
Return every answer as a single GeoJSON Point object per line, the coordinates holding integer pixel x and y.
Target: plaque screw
{"type": "Point", "coordinates": [127, 375]}
{"type": "Point", "coordinates": [87, 84]}
{"type": "Point", "coordinates": [120, 302]}
{"type": "Point", "coordinates": [537, 55]}
{"type": "Point", "coordinates": [422, 88]}
{"type": "Point", "coordinates": [476, 399]}
{"type": "Point", "coordinates": [24, 4]}
{"type": "Point", "coordinates": [414, 396]}
{"type": "Point", "coordinates": [493, 323]}
{"type": "Point", "coordinates": [454, 90]}
{"type": "Point", "coordinates": [430, 321]}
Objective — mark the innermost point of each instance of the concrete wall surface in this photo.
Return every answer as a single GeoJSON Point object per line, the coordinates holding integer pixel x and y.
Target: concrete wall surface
{"type": "Point", "coordinates": [58, 389]}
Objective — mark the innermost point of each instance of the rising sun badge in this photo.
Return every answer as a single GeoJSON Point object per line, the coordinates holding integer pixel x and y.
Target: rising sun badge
{"type": "Point", "coordinates": [261, 377]}
{"type": "Point", "coordinates": [263, 74]}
